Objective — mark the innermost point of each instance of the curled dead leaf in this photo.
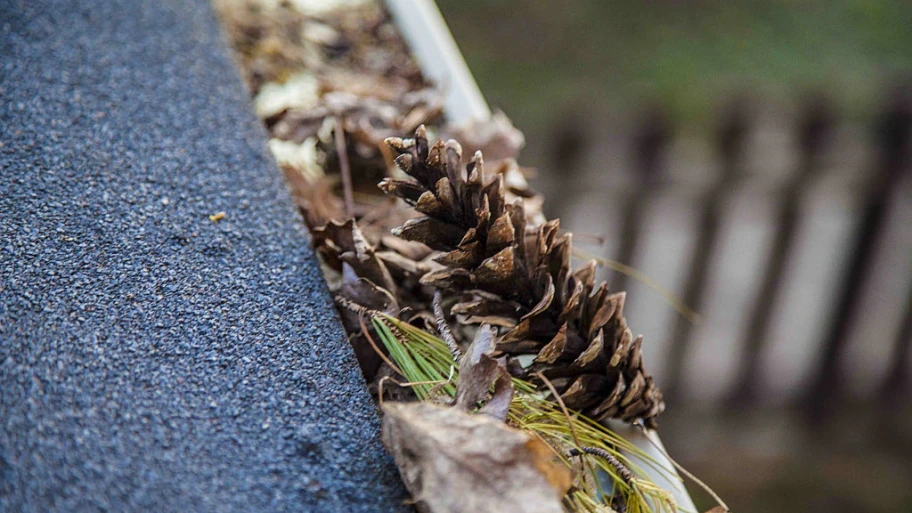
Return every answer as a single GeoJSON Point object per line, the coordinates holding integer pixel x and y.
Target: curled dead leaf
{"type": "Point", "coordinates": [479, 370]}
{"type": "Point", "coordinates": [455, 462]}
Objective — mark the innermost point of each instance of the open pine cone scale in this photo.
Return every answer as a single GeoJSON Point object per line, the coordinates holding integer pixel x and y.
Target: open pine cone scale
{"type": "Point", "coordinates": [517, 275]}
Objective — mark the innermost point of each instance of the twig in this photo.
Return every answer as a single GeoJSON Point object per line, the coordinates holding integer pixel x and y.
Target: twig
{"type": "Point", "coordinates": [348, 304]}
{"type": "Point", "coordinates": [560, 402]}
{"type": "Point", "coordinates": [362, 312]}
{"type": "Point", "coordinates": [373, 344]}
{"type": "Point", "coordinates": [443, 327]}
{"type": "Point", "coordinates": [642, 427]}
{"type": "Point", "coordinates": [437, 384]}
{"type": "Point", "coordinates": [622, 470]}
{"type": "Point", "coordinates": [570, 423]}
{"type": "Point", "coordinates": [344, 168]}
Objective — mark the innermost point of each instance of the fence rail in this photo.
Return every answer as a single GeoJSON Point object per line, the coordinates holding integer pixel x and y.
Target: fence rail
{"type": "Point", "coordinates": [797, 248]}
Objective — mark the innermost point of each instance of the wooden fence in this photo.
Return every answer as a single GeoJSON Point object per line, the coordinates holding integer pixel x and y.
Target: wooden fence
{"type": "Point", "coordinates": [790, 234]}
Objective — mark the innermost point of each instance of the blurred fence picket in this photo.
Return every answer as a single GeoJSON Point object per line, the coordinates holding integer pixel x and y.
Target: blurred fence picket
{"type": "Point", "coordinates": [792, 270]}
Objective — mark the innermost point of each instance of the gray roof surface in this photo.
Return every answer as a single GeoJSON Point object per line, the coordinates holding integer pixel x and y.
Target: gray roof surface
{"type": "Point", "coordinates": [151, 359]}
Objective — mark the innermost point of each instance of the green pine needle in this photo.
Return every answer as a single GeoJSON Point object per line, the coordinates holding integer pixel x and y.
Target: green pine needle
{"type": "Point", "coordinates": [432, 372]}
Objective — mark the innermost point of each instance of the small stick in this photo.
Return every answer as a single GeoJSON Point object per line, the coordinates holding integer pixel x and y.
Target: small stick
{"type": "Point", "coordinates": [344, 168]}
{"type": "Point", "coordinates": [437, 384]}
{"type": "Point", "coordinates": [570, 423]}
{"type": "Point", "coordinates": [622, 470]}
{"type": "Point", "coordinates": [560, 402]}
{"type": "Point", "coordinates": [362, 312]}
{"type": "Point", "coordinates": [354, 307]}
{"type": "Point", "coordinates": [373, 344]}
{"type": "Point", "coordinates": [443, 327]}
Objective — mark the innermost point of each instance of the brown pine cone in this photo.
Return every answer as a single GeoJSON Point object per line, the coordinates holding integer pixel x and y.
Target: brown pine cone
{"type": "Point", "coordinates": [518, 277]}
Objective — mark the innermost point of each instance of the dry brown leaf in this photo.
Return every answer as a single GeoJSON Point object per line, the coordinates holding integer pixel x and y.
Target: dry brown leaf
{"type": "Point", "coordinates": [478, 371]}
{"type": "Point", "coordinates": [455, 462]}
{"type": "Point", "coordinates": [498, 406]}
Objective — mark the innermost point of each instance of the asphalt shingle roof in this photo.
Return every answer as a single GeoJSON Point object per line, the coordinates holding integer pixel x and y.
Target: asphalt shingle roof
{"type": "Point", "coordinates": [152, 359]}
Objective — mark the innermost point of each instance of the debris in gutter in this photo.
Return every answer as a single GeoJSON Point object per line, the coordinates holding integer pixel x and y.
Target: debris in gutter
{"type": "Point", "coordinates": [455, 290]}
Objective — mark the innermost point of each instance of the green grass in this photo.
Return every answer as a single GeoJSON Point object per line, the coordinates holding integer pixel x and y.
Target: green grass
{"type": "Point", "coordinates": [535, 58]}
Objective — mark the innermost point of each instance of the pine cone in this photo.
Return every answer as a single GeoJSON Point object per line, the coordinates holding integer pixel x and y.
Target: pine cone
{"type": "Point", "coordinates": [518, 277]}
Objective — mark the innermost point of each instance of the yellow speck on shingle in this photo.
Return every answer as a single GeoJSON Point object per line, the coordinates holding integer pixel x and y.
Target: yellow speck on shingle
{"type": "Point", "coordinates": [217, 217]}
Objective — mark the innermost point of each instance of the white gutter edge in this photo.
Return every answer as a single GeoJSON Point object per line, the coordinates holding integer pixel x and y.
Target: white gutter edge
{"type": "Point", "coordinates": [432, 45]}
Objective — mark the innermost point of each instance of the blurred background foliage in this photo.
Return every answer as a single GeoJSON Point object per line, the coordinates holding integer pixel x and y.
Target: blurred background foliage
{"type": "Point", "coordinates": [536, 59]}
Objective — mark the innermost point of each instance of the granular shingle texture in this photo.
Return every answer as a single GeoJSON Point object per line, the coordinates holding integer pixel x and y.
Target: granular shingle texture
{"type": "Point", "coordinates": [152, 359]}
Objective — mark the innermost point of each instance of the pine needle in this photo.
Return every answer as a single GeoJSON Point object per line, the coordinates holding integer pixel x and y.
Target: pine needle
{"type": "Point", "coordinates": [684, 471]}
{"type": "Point", "coordinates": [443, 327]}
{"type": "Point", "coordinates": [676, 303]}
{"type": "Point", "coordinates": [428, 365]}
